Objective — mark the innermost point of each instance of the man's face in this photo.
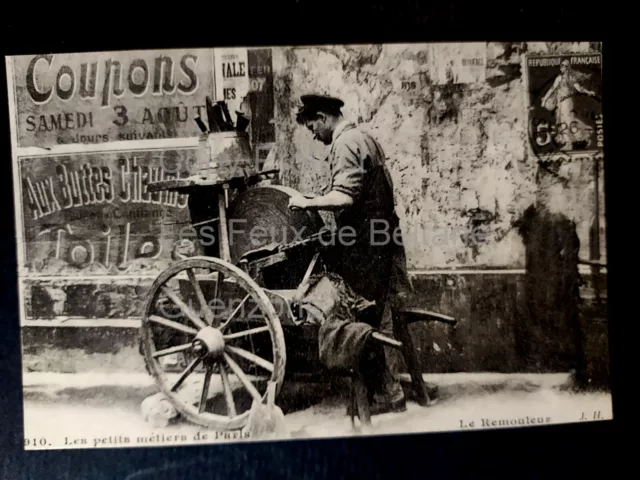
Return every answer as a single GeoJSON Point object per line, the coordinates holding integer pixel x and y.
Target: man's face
{"type": "Point", "coordinates": [320, 129]}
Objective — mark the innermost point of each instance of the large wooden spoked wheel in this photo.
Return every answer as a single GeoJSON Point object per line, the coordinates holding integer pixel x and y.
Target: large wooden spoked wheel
{"type": "Point", "coordinates": [214, 318]}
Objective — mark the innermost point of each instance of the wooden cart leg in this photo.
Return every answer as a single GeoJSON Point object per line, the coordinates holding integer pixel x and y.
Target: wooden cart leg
{"type": "Point", "coordinates": [222, 229]}
{"type": "Point", "coordinates": [352, 401]}
{"type": "Point", "coordinates": [362, 400]}
{"type": "Point", "coordinates": [401, 333]}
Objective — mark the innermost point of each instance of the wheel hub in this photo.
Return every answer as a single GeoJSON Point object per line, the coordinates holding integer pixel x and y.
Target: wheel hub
{"type": "Point", "coordinates": [209, 342]}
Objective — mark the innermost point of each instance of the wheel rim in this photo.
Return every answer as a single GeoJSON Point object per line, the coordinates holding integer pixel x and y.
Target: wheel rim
{"type": "Point", "coordinates": [216, 317]}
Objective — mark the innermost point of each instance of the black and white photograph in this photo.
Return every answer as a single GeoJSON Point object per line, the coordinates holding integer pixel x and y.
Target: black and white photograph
{"type": "Point", "coordinates": [231, 245]}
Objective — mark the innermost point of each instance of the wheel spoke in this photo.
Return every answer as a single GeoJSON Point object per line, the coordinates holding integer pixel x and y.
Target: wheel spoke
{"type": "Point", "coordinates": [171, 324]}
{"type": "Point", "coordinates": [228, 393]}
{"type": "Point", "coordinates": [251, 357]}
{"type": "Point", "coordinates": [183, 306]}
{"type": "Point", "coordinates": [192, 366]}
{"type": "Point", "coordinates": [205, 389]}
{"type": "Point", "coordinates": [217, 289]}
{"type": "Point", "coordinates": [208, 314]}
{"type": "Point", "coordinates": [169, 351]}
{"type": "Point", "coordinates": [243, 378]}
{"type": "Point", "coordinates": [225, 324]}
{"type": "Point", "coordinates": [244, 333]}
{"type": "Point", "coordinates": [220, 304]}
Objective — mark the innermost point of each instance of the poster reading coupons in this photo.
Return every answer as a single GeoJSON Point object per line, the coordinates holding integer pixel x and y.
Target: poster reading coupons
{"type": "Point", "coordinates": [110, 96]}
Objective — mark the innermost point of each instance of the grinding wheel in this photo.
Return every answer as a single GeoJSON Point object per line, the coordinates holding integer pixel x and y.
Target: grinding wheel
{"type": "Point", "coordinates": [260, 216]}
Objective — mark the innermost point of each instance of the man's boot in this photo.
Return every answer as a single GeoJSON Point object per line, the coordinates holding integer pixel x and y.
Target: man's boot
{"type": "Point", "coordinates": [384, 392]}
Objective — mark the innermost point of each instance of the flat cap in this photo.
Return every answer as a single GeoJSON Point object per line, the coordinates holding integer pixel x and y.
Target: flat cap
{"type": "Point", "coordinates": [313, 103]}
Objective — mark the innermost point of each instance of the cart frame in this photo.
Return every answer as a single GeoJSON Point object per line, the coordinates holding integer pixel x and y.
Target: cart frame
{"type": "Point", "coordinates": [209, 343]}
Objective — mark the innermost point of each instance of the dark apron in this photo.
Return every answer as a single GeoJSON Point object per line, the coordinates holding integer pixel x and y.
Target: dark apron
{"type": "Point", "coordinates": [372, 266]}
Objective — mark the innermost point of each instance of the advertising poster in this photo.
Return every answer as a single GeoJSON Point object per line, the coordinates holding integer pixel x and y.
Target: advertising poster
{"type": "Point", "coordinates": [232, 78]}
{"type": "Point", "coordinates": [458, 63]}
{"type": "Point", "coordinates": [90, 215]}
{"type": "Point", "coordinates": [565, 103]}
{"type": "Point", "coordinates": [260, 97]}
{"type": "Point", "coordinates": [110, 96]}
{"type": "Point", "coordinates": [259, 103]}
{"type": "Point", "coordinates": [244, 80]}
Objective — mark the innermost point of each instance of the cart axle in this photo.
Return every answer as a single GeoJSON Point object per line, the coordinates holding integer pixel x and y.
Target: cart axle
{"type": "Point", "coordinates": [209, 343]}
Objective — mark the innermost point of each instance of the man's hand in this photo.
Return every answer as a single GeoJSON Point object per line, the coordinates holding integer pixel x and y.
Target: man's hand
{"type": "Point", "coordinates": [333, 200]}
{"type": "Point", "coordinates": [298, 202]}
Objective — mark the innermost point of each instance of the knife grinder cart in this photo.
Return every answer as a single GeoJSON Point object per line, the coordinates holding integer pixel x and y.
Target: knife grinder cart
{"type": "Point", "coordinates": [223, 315]}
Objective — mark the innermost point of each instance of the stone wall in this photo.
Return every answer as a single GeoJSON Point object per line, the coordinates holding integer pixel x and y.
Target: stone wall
{"type": "Point", "coordinates": [466, 182]}
{"type": "Point", "coordinates": [458, 153]}
{"type": "Point", "coordinates": [460, 162]}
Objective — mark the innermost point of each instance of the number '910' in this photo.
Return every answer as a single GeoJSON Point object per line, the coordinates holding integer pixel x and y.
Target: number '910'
{"type": "Point", "coordinates": [34, 442]}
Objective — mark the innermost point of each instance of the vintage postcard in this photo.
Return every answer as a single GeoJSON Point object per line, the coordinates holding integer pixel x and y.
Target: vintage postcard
{"type": "Point", "coordinates": [245, 244]}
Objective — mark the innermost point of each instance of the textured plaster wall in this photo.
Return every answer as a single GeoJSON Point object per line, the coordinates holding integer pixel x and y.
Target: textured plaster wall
{"type": "Point", "coordinates": [460, 160]}
{"type": "Point", "coordinates": [458, 153]}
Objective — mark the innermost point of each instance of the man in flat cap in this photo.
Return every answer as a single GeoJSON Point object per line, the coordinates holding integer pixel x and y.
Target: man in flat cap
{"type": "Point", "coordinates": [361, 195]}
